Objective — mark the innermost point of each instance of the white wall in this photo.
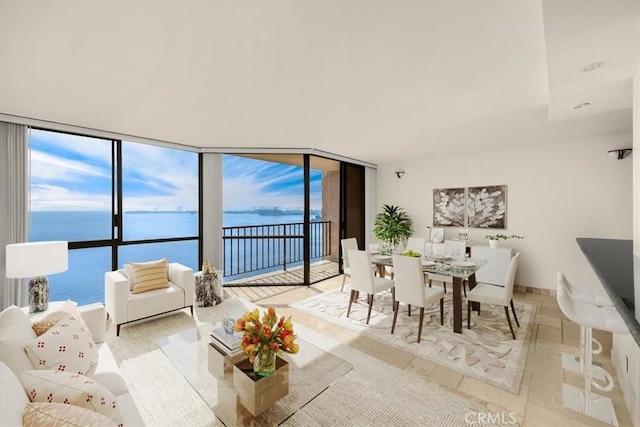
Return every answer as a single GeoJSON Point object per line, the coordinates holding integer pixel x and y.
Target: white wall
{"type": "Point", "coordinates": [556, 192]}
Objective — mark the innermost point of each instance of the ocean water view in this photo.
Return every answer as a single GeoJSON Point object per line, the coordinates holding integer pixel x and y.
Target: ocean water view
{"type": "Point", "coordinates": [84, 280]}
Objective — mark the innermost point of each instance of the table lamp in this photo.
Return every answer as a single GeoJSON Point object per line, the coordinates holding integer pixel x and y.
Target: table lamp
{"type": "Point", "coordinates": [35, 259]}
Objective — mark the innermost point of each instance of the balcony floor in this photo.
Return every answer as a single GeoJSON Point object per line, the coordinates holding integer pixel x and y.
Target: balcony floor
{"type": "Point", "coordinates": [320, 270]}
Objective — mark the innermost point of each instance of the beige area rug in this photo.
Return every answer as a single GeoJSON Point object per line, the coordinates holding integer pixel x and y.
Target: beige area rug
{"type": "Point", "coordinates": [486, 351]}
{"type": "Point", "coordinates": [373, 393]}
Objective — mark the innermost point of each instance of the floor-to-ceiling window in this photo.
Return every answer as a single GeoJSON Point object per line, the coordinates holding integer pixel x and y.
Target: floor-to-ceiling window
{"type": "Point", "coordinates": [274, 224]}
{"type": "Point", "coordinates": [159, 205]}
{"type": "Point", "coordinates": [114, 202]}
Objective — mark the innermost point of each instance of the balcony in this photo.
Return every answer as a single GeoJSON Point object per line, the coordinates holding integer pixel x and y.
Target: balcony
{"type": "Point", "coordinates": [273, 254]}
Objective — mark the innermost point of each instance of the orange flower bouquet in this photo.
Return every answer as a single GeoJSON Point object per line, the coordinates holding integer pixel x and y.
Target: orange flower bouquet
{"type": "Point", "coordinates": [262, 340]}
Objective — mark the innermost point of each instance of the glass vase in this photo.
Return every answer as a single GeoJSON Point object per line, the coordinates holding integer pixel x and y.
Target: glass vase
{"type": "Point", "coordinates": [264, 363]}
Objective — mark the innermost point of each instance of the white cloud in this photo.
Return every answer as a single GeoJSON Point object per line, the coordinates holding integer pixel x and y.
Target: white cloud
{"type": "Point", "coordinates": [47, 166]}
{"type": "Point", "coordinates": [56, 198]}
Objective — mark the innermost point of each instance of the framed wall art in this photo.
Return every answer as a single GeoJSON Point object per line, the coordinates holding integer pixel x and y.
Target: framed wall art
{"type": "Point", "coordinates": [449, 207]}
{"type": "Point", "coordinates": [435, 234]}
{"type": "Point", "coordinates": [487, 206]}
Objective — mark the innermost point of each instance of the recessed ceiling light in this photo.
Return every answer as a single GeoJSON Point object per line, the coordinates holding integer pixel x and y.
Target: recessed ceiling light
{"type": "Point", "coordinates": [582, 105]}
{"type": "Point", "coordinates": [593, 66]}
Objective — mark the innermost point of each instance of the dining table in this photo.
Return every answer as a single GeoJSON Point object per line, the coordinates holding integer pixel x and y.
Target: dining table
{"type": "Point", "coordinates": [459, 270]}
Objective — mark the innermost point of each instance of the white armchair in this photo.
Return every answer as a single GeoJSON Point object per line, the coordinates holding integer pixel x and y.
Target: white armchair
{"type": "Point", "coordinates": [124, 306]}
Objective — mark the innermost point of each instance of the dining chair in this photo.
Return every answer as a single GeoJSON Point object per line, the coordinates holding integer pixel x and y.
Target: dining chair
{"type": "Point", "coordinates": [410, 289]}
{"type": "Point", "coordinates": [496, 295]}
{"type": "Point", "coordinates": [416, 244]}
{"type": "Point", "coordinates": [363, 280]}
{"type": "Point", "coordinates": [456, 250]}
{"type": "Point", "coordinates": [347, 244]}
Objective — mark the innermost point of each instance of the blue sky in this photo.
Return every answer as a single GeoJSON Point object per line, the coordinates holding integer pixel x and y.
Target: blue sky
{"type": "Point", "coordinates": [71, 172]}
{"type": "Point", "coordinates": [257, 183]}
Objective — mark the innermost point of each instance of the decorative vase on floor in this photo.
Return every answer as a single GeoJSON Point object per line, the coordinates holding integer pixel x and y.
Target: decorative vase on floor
{"type": "Point", "coordinates": [493, 243]}
{"type": "Point", "coordinates": [264, 363]}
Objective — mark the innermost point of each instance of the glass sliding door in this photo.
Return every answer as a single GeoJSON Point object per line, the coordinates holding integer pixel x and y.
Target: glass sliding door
{"type": "Point", "coordinates": [274, 230]}
{"type": "Point", "coordinates": [263, 219]}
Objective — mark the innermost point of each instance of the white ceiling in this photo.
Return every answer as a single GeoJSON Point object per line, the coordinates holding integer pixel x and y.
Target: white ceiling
{"type": "Point", "coordinates": [377, 81]}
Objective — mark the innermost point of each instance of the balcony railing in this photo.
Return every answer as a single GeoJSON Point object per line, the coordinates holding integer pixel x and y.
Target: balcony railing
{"type": "Point", "coordinates": [255, 248]}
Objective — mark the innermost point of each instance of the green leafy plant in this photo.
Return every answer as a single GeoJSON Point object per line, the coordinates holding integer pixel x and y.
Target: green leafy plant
{"type": "Point", "coordinates": [502, 237]}
{"type": "Point", "coordinates": [393, 225]}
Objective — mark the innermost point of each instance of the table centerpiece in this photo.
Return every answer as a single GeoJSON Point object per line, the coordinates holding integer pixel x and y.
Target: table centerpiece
{"type": "Point", "coordinates": [263, 339]}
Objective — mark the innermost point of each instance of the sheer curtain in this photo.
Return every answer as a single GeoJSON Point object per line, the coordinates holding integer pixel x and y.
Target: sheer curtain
{"type": "Point", "coordinates": [14, 182]}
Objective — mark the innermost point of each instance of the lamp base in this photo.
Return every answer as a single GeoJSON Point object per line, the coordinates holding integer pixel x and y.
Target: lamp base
{"type": "Point", "coordinates": [38, 294]}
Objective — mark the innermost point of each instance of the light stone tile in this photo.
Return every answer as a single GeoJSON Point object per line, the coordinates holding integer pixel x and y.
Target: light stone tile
{"type": "Point", "coordinates": [553, 349]}
{"type": "Point", "coordinates": [506, 400]}
{"type": "Point", "coordinates": [549, 333]}
{"type": "Point", "coordinates": [552, 311]}
{"type": "Point", "coordinates": [543, 319]}
{"type": "Point", "coordinates": [345, 336]}
{"type": "Point", "coordinates": [605, 338]}
{"type": "Point", "coordinates": [570, 334]}
{"type": "Point", "coordinates": [504, 416]}
{"type": "Point", "coordinates": [540, 416]}
{"type": "Point", "coordinates": [542, 365]}
{"type": "Point", "coordinates": [548, 394]}
{"type": "Point", "coordinates": [421, 366]}
{"type": "Point", "coordinates": [534, 298]}
{"type": "Point", "coordinates": [526, 378]}
{"type": "Point", "coordinates": [447, 377]}
{"type": "Point", "coordinates": [391, 355]}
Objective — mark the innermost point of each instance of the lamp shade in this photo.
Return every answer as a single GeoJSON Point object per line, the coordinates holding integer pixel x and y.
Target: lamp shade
{"type": "Point", "coordinates": [32, 259]}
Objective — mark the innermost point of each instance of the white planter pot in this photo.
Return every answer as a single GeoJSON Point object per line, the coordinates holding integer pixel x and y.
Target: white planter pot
{"type": "Point", "coordinates": [493, 243]}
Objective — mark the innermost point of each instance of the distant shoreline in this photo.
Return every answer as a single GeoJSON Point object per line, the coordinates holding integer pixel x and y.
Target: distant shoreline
{"type": "Point", "coordinates": [259, 211]}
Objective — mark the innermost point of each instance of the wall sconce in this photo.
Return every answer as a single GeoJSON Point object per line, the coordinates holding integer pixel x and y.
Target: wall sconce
{"type": "Point", "coordinates": [620, 153]}
{"type": "Point", "coordinates": [399, 173]}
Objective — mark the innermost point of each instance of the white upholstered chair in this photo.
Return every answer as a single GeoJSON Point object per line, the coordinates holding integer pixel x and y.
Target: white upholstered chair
{"type": "Point", "coordinates": [363, 280]}
{"type": "Point", "coordinates": [347, 244]}
{"type": "Point", "coordinates": [454, 249]}
{"type": "Point", "coordinates": [124, 305]}
{"type": "Point", "coordinates": [410, 289]}
{"type": "Point", "coordinates": [496, 295]}
{"type": "Point", "coordinates": [415, 244]}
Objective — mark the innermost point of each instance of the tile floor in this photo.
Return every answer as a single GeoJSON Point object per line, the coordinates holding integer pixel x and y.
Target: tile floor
{"type": "Point", "coordinates": [539, 402]}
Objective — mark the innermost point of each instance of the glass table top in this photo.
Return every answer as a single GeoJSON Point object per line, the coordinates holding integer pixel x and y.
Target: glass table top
{"type": "Point", "coordinates": [311, 371]}
{"type": "Point", "coordinates": [445, 266]}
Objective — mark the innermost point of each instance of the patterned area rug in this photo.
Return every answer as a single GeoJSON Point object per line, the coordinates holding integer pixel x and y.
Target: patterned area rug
{"type": "Point", "coordinates": [164, 397]}
{"type": "Point", "coordinates": [486, 351]}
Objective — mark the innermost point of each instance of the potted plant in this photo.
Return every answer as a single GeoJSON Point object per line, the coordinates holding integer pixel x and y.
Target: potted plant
{"type": "Point", "coordinates": [392, 226]}
{"type": "Point", "coordinates": [495, 238]}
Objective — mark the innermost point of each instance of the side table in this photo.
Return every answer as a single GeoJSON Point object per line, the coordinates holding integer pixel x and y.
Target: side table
{"type": "Point", "coordinates": [209, 288]}
{"type": "Point", "coordinates": [53, 306]}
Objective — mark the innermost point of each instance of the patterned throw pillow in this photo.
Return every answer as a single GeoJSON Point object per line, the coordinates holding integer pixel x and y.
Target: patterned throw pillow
{"type": "Point", "coordinates": [67, 347]}
{"type": "Point", "coordinates": [147, 276]}
{"type": "Point", "coordinates": [43, 325]}
{"type": "Point", "coordinates": [61, 415]}
{"type": "Point", "coordinates": [74, 389]}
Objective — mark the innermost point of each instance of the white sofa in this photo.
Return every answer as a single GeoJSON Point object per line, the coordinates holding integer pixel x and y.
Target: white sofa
{"type": "Point", "coordinates": [124, 306]}
{"type": "Point", "coordinates": [16, 332]}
